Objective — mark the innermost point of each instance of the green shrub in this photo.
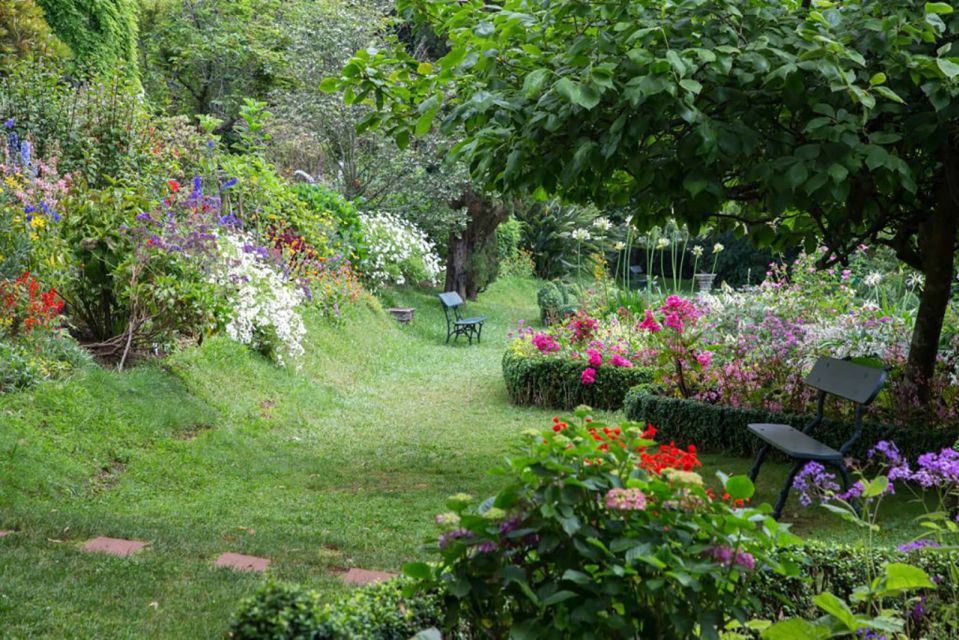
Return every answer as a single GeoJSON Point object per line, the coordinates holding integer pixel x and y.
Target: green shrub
{"type": "Point", "coordinates": [508, 236]}
{"type": "Point", "coordinates": [329, 203]}
{"type": "Point", "coordinates": [378, 612]}
{"type": "Point", "coordinates": [556, 384]}
{"type": "Point", "coordinates": [550, 301]}
{"type": "Point", "coordinates": [722, 428]}
{"type": "Point", "coordinates": [840, 569]}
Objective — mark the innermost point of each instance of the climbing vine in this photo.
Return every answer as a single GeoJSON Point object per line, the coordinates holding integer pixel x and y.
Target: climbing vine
{"type": "Point", "coordinates": [101, 33]}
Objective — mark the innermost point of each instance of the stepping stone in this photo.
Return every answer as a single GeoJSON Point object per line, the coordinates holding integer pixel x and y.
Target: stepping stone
{"type": "Point", "coordinates": [114, 546]}
{"type": "Point", "coordinates": [362, 576]}
{"type": "Point", "coordinates": [5, 533]}
{"type": "Point", "coordinates": [240, 562]}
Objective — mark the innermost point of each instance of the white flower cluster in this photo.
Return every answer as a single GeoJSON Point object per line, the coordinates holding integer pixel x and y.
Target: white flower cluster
{"type": "Point", "coordinates": [265, 315]}
{"type": "Point", "coordinates": [397, 251]}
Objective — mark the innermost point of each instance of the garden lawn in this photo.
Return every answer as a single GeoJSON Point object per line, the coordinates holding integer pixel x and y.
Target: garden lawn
{"type": "Point", "coordinates": [342, 463]}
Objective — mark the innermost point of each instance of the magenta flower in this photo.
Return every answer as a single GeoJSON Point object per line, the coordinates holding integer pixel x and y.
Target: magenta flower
{"type": "Point", "coordinates": [595, 359]}
{"type": "Point", "coordinates": [649, 323]}
{"type": "Point", "coordinates": [619, 361]}
{"type": "Point", "coordinates": [704, 358]}
{"type": "Point", "coordinates": [545, 343]}
{"type": "Point", "coordinates": [589, 376]}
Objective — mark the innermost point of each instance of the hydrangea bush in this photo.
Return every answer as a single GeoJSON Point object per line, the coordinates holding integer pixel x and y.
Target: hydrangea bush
{"type": "Point", "coordinates": [398, 252]}
{"type": "Point", "coordinates": [602, 532]}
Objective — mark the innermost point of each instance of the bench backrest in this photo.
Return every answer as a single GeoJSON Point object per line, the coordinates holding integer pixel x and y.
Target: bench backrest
{"type": "Point", "coordinates": [450, 299]}
{"type": "Point", "coordinates": [848, 380]}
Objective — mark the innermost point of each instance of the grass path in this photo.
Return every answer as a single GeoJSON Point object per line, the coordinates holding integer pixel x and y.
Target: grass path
{"type": "Point", "coordinates": [341, 464]}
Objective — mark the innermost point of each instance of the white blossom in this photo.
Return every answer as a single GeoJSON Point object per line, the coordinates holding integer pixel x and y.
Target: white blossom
{"type": "Point", "coordinates": [873, 279]}
{"type": "Point", "coordinates": [397, 251]}
{"type": "Point", "coordinates": [264, 303]}
{"type": "Point", "coordinates": [717, 248]}
{"type": "Point", "coordinates": [602, 224]}
{"type": "Point", "coordinates": [697, 251]}
{"type": "Point", "coordinates": [580, 235]}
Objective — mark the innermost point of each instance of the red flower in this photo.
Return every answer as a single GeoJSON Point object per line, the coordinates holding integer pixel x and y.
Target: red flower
{"type": "Point", "coordinates": [174, 185]}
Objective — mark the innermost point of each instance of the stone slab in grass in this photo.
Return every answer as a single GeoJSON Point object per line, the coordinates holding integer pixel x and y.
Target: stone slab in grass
{"type": "Point", "coordinates": [5, 533]}
{"type": "Point", "coordinates": [114, 546]}
{"type": "Point", "coordinates": [363, 576]}
{"type": "Point", "coordinates": [240, 562]}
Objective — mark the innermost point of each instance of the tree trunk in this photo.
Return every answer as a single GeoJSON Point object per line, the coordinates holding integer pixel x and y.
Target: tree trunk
{"type": "Point", "coordinates": [937, 245]}
{"type": "Point", "coordinates": [483, 215]}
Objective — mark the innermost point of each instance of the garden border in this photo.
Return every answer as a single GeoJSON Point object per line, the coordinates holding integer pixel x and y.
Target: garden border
{"type": "Point", "coordinates": [554, 383]}
{"type": "Point", "coordinates": [722, 429]}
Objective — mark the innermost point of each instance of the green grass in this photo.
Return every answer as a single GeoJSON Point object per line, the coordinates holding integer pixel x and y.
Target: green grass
{"type": "Point", "coordinates": [342, 463]}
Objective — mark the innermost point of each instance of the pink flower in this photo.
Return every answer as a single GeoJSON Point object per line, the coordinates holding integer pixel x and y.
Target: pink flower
{"type": "Point", "coordinates": [595, 359]}
{"type": "Point", "coordinates": [545, 343]}
{"type": "Point", "coordinates": [589, 376]}
{"type": "Point", "coordinates": [673, 321]}
{"type": "Point", "coordinates": [649, 323]}
{"type": "Point", "coordinates": [704, 358]}
{"type": "Point", "coordinates": [620, 361]}
{"type": "Point", "coordinates": [625, 499]}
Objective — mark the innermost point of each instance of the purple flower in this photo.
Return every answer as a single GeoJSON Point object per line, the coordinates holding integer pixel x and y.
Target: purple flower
{"type": "Point", "coordinates": [9, 122]}
{"type": "Point", "coordinates": [144, 216]}
{"type": "Point", "coordinates": [486, 547]}
{"type": "Point", "coordinates": [918, 544]}
{"type": "Point", "coordinates": [812, 481]}
{"type": "Point", "coordinates": [865, 633]}
{"type": "Point", "coordinates": [458, 534]}
{"type": "Point", "coordinates": [745, 560]}
{"type": "Point", "coordinates": [938, 469]}
{"type": "Point", "coordinates": [229, 183]}
{"type": "Point", "coordinates": [25, 152]}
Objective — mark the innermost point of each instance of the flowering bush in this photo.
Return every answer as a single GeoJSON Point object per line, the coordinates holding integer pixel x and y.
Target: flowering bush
{"type": "Point", "coordinates": [24, 307]}
{"type": "Point", "coordinates": [934, 612]}
{"type": "Point", "coordinates": [264, 305]}
{"type": "Point", "coordinates": [600, 532]}
{"type": "Point", "coordinates": [397, 251]}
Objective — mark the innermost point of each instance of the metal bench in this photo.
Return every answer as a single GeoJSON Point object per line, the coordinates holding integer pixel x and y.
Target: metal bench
{"type": "Point", "coordinates": [456, 324]}
{"type": "Point", "coordinates": [854, 382]}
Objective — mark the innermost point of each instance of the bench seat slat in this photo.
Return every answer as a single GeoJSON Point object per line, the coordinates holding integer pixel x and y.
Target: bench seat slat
{"type": "Point", "coordinates": [795, 443]}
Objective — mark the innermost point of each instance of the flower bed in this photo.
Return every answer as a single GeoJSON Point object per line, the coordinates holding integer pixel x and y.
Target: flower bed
{"type": "Point", "coordinates": [382, 612]}
{"type": "Point", "coordinates": [558, 384]}
{"type": "Point", "coordinates": [719, 428]}
{"type": "Point", "coordinates": [580, 361]}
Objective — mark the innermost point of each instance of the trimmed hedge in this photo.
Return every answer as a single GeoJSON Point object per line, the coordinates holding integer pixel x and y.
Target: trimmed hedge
{"type": "Point", "coordinates": [839, 569]}
{"type": "Point", "coordinates": [553, 383]}
{"type": "Point", "coordinates": [380, 612]}
{"type": "Point", "coordinates": [720, 428]}
{"type": "Point", "coordinates": [280, 611]}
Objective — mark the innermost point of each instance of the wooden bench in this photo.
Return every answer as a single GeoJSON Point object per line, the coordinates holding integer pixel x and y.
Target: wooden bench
{"type": "Point", "coordinates": [854, 382]}
{"type": "Point", "coordinates": [456, 324]}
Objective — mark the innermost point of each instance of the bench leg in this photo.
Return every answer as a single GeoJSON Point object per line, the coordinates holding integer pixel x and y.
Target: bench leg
{"type": "Point", "coordinates": [479, 334]}
{"type": "Point", "coordinates": [760, 457]}
{"type": "Point", "coordinates": [778, 510]}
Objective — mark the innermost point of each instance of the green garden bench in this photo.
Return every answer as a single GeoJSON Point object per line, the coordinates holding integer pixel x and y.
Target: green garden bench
{"type": "Point", "coordinates": [456, 324]}
{"type": "Point", "coordinates": [854, 382]}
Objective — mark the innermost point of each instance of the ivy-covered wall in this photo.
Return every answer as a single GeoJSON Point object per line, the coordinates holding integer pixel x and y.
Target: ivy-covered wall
{"type": "Point", "coordinates": [101, 33]}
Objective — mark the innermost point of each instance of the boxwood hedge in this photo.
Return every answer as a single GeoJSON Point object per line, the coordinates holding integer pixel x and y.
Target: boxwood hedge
{"type": "Point", "coordinates": [555, 384]}
{"type": "Point", "coordinates": [279, 611]}
{"type": "Point", "coordinates": [719, 428]}
{"type": "Point", "coordinates": [381, 612]}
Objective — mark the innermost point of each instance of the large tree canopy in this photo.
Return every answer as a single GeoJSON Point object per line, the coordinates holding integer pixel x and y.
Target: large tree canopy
{"type": "Point", "coordinates": [803, 121]}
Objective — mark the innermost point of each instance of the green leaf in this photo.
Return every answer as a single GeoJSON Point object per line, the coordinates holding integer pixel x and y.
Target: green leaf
{"type": "Point", "coordinates": [949, 68]}
{"type": "Point", "coordinates": [534, 82]}
{"type": "Point", "coordinates": [905, 577]}
{"type": "Point", "coordinates": [424, 123]}
{"type": "Point", "coordinates": [691, 85]}
{"type": "Point", "coordinates": [418, 570]}
{"type": "Point", "coordinates": [879, 78]}
{"type": "Point", "coordinates": [676, 62]}
{"type": "Point", "coordinates": [838, 173]}
{"type": "Point", "coordinates": [424, 68]}
{"type": "Point", "coordinates": [559, 596]}
{"type": "Point", "coordinates": [695, 184]}
{"type": "Point", "coordinates": [889, 94]}
{"type": "Point", "coordinates": [939, 7]}
{"type": "Point", "coordinates": [329, 84]}
{"type": "Point", "coordinates": [837, 609]}
{"type": "Point", "coordinates": [740, 488]}
{"type": "Point", "coordinates": [579, 94]}
{"type": "Point", "coordinates": [796, 629]}
{"type": "Point", "coordinates": [876, 487]}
